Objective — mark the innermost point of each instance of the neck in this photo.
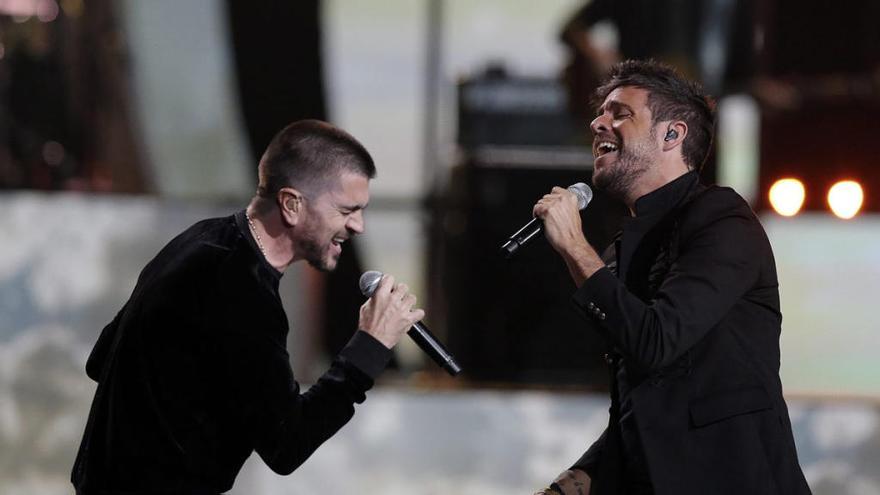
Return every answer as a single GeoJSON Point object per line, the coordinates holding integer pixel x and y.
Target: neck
{"type": "Point", "coordinates": [277, 246]}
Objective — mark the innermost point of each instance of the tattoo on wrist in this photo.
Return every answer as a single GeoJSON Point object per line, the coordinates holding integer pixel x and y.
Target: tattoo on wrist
{"type": "Point", "coordinates": [571, 481]}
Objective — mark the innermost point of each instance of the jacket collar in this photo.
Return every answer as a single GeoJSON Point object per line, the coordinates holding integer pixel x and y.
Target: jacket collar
{"type": "Point", "coordinates": [664, 198]}
{"type": "Point", "coordinates": [650, 209]}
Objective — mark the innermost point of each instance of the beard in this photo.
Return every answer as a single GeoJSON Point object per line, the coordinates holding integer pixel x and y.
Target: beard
{"type": "Point", "coordinates": [619, 178]}
{"type": "Point", "coordinates": [315, 254]}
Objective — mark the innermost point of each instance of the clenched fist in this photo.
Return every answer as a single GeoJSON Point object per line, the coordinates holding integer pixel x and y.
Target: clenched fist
{"type": "Point", "coordinates": [562, 228]}
{"type": "Point", "coordinates": [390, 312]}
{"type": "Point", "coordinates": [562, 218]}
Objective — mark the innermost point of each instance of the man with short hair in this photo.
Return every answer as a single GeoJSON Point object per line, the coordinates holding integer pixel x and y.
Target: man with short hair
{"type": "Point", "coordinates": [193, 373]}
{"type": "Point", "coordinates": [687, 299]}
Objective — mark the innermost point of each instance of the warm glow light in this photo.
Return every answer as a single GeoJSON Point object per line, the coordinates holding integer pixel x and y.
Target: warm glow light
{"type": "Point", "coordinates": [845, 198]}
{"type": "Point", "coordinates": [787, 196]}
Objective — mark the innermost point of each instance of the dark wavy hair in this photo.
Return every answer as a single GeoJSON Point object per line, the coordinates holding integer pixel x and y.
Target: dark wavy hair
{"type": "Point", "coordinates": [309, 155]}
{"type": "Point", "coordinates": [670, 97]}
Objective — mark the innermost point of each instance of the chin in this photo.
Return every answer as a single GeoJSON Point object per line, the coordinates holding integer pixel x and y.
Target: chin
{"type": "Point", "coordinates": [325, 267]}
{"type": "Point", "coordinates": [327, 264]}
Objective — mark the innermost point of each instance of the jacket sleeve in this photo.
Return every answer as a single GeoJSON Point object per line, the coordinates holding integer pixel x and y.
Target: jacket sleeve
{"type": "Point", "coordinates": [288, 425]}
{"type": "Point", "coordinates": [103, 347]}
{"type": "Point", "coordinates": [589, 462]}
{"type": "Point", "coordinates": [719, 260]}
{"type": "Point", "coordinates": [246, 330]}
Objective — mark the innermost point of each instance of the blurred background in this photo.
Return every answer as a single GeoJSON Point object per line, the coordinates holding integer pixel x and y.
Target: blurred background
{"type": "Point", "coordinates": [122, 122]}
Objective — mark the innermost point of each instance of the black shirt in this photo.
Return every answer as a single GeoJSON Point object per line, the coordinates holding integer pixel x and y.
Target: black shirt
{"type": "Point", "coordinates": [194, 375]}
{"type": "Point", "coordinates": [650, 210]}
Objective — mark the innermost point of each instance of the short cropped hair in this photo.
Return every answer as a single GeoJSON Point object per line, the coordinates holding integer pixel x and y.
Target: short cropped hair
{"type": "Point", "coordinates": [670, 97]}
{"type": "Point", "coordinates": [309, 155]}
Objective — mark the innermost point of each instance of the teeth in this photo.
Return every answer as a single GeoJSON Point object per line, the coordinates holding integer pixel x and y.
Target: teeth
{"type": "Point", "coordinates": [606, 147]}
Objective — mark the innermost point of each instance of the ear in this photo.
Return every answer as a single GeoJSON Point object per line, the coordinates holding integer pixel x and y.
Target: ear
{"type": "Point", "coordinates": [673, 134]}
{"type": "Point", "coordinates": [290, 205]}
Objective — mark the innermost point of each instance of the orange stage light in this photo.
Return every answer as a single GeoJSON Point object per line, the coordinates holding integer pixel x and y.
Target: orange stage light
{"type": "Point", "coordinates": [787, 196]}
{"type": "Point", "coordinates": [845, 198]}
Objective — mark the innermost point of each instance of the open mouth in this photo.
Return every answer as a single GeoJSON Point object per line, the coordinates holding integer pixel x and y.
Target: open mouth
{"type": "Point", "coordinates": [604, 147]}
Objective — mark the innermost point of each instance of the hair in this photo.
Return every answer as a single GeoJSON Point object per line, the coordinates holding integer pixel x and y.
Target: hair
{"type": "Point", "coordinates": [670, 97]}
{"type": "Point", "coordinates": [309, 155]}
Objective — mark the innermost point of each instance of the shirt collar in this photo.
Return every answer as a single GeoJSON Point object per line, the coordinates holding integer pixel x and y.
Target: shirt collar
{"type": "Point", "coordinates": [664, 198]}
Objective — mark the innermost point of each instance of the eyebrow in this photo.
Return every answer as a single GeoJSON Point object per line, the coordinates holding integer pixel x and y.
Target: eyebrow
{"type": "Point", "coordinates": [354, 207]}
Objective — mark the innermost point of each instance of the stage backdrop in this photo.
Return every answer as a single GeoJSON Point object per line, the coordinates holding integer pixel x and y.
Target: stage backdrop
{"type": "Point", "coordinates": [68, 262]}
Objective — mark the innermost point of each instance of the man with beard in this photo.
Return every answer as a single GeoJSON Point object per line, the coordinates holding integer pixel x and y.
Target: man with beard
{"type": "Point", "coordinates": [687, 300]}
{"type": "Point", "coordinates": [193, 373]}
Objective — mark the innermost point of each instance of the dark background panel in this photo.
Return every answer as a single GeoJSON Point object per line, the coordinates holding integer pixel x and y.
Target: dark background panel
{"type": "Point", "coordinates": [513, 320]}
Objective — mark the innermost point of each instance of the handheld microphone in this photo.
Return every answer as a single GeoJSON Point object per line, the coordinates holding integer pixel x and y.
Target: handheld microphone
{"type": "Point", "coordinates": [419, 332]}
{"type": "Point", "coordinates": [530, 230]}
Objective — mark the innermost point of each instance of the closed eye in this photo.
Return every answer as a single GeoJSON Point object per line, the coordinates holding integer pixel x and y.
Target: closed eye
{"type": "Point", "coordinates": [348, 210]}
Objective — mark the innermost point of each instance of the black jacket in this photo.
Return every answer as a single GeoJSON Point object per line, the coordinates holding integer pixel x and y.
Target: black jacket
{"type": "Point", "coordinates": [193, 374]}
{"type": "Point", "coordinates": [693, 312]}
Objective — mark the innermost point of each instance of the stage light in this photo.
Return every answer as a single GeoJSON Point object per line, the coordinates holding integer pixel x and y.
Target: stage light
{"type": "Point", "coordinates": [787, 196]}
{"type": "Point", "coordinates": [845, 198]}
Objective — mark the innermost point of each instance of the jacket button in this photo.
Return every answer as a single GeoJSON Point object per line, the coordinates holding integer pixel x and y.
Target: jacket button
{"type": "Point", "coordinates": [601, 316]}
{"type": "Point", "coordinates": [591, 306]}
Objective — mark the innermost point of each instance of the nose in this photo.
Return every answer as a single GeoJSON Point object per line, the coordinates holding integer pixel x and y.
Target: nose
{"type": "Point", "coordinates": [599, 125]}
{"type": "Point", "coordinates": [355, 223]}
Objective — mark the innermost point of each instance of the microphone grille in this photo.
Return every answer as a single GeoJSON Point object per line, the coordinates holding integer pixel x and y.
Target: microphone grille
{"type": "Point", "coordinates": [369, 281]}
{"type": "Point", "coordinates": [583, 193]}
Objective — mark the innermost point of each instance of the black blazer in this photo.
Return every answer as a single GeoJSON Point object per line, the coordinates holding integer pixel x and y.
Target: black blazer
{"type": "Point", "coordinates": [694, 311]}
